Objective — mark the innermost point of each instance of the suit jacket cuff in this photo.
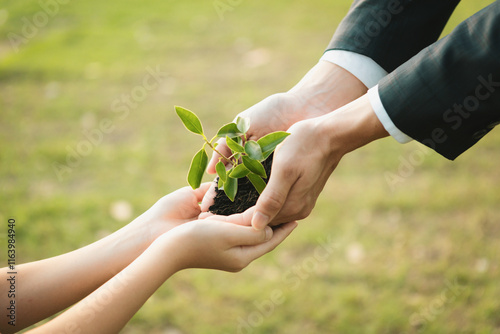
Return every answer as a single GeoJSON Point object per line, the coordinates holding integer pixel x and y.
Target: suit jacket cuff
{"type": "Point", "coordinates": [362, 67]}
{"type": "Point", "coordinates": [384, 118]}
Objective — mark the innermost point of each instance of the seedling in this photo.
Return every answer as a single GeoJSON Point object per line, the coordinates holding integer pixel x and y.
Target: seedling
{"type": "Point", "coordinates": [245, 159]}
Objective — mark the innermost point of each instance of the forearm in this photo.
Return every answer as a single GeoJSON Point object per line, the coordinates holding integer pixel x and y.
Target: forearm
{"type": "Point", "coordinates": [111, 306]}
{"type": "Point", "coordinates": [48, 286]}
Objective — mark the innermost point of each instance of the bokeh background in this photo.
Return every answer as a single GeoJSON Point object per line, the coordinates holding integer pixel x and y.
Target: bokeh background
{"type": "Point", "coordinates": [401, 240]}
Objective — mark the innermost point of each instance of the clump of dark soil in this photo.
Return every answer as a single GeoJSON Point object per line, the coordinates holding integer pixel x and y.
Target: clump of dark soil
{"type": "Point", "coordinates": [246, 196]}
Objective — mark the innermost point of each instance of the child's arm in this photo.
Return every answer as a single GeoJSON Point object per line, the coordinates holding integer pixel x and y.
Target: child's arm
{"type": "Point", "coordinates": [209, 243]}
{"type": "Point", "coordinates": [46, 287]}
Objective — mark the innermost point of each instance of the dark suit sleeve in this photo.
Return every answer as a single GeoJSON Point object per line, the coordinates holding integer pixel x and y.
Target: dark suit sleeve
{"type": "Point", "coordinates": [448, 96]}
{"type": "Point", "coordinates": [391, 31]}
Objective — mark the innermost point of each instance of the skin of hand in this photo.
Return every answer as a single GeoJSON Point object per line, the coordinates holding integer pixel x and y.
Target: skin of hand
{"type": "Point", "coordinates": [227, 243]}
{"type": "Point", "coordinates": [304, 161]}
{"type": "Point", "coordinates": [170, 211]}
{"type": "Point", "coordinates": [224, 243]}
{"type": "Point", "coordinates": [324, 88]}
{"type": "Point", "coordinates": [48, 286]}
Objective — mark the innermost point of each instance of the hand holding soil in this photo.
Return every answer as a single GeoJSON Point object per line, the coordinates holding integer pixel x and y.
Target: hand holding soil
{"type": "Point", "coordinates": [303, 163]}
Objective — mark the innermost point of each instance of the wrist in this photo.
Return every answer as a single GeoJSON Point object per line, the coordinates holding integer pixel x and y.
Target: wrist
{"type": "Point", "coordinates": [146, 228]}
{"type": "Point", "coordinates": [122, 247]}
{"type": "Point", "coordinates": [172, 248]}
{"type": "Point", "coordinates": [125, 245]}
{"type": "Point", "coordinates": [327, 87]}
{"type": "Point", "coordinates": [168, 253]}
{"type": "Point", "coordinates": [352, 126]}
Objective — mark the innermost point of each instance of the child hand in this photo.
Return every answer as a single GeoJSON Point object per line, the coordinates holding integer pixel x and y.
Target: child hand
{"type": "Point", "coordinates": [170, 211]}
{"type": "Point", "coordinates": [223, 243]}
{"type": "Point", "coordinates": [208, 199]}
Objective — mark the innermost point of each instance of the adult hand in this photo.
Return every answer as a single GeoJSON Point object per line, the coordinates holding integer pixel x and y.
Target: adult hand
{"type": "Point", "coordinates": [324, 88]}
{"type": "Point", "coordinates": [301, 166]}
{"type": "Point", "coordinates": [304, 161]}
{"type": "Point", "coordinates": [226, 243]}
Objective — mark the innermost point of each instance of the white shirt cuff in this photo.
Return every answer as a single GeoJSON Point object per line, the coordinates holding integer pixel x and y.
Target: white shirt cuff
{"type": "Point", "coordinates": [362, 67]}
{"type": "Point", "coordinates": [384, 118]}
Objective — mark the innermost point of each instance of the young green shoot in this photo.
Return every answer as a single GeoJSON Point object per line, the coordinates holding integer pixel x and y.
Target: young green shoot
{"type": "Point", "coordinates": [245, 159]}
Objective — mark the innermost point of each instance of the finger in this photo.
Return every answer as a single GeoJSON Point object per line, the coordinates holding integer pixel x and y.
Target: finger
{"type": "Point", "coordinates": [184, 194]}
{"type": "Point", "coordinates": [279, 234]}
{"type": "Point", "coordinates": [223, 149]}
{"type": "Point", "coordinates": [205, 215]}
{"type": "Point", "coordinates": [208, 199]}
{"type": "Point", "coordinates": [273, 197]}
{"type": "Point", "coordinates": [247, 236]}
{"type": "Point", "coordinates": [201, 191]}
{"type": "Point", "coordinates": [242, 219]}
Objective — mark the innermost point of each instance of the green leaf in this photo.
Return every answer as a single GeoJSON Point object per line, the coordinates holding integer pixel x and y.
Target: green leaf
{"type": "Point", "coordinates": [221, 171]}
{"type": "Point", "coordinates": [234, 146]}
{"type": "Point", "coordinates": [230, 130]}
{"type": "Point", "coordinates": [220, 184]}
{"type": "Point", "coordinates": [197, 168]}
{"type": "Point", "coordinates": [252, 148]}
{"type": "Point", "coordinates": [243, 123]}
{"type": "Point", "coordinates": [257, 182]}
{"type": "Point", "coordinates": [266, 154]}
{"type": "Point", "coordinates": [239, 171]}
{"type": "Point", "coordinates": [269, 142]}
{"type": "Point", "coordinates": [254, 166]}
{"type": "Point", "coordinates": [190, 120]}
{"type": "Point", "coordinates": [231, 188]}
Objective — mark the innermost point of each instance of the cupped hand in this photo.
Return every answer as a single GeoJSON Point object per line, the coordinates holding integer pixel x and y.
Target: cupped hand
{"type": "Point", "coordinates": [223, 243]}
{"type": "Point", "coordinates": [172, 210]}
{"type": "Point", "coordinates": [301, 167]}
{"type": "Point", "coordinates": [303, 163]}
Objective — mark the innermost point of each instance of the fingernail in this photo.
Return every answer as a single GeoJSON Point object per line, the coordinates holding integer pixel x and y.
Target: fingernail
{"type": "Point", "coordinates": [269, 233]}
{"type": "Point", "coordinates": [259, 220]}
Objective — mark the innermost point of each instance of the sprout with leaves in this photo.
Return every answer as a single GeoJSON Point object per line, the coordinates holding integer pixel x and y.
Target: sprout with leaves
{"type": "Point", "coordinates": [244, 161]}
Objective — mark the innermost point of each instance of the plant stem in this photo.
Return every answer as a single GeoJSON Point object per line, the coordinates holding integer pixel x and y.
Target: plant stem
{"type": "Point", "coordinates": [216, 151]}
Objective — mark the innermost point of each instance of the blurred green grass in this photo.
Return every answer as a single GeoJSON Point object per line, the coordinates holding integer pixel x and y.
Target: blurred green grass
{"type": "Point", "coordinates": [392, 250]}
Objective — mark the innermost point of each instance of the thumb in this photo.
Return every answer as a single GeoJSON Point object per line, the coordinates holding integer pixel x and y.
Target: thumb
{"type": "Point", "coordinates": [247, 236]}
{"type": "Point", "coordinates": [272, 198]}
{"type": "Point", "coordinates": [201, 191]}
{"type": "Point", "coordinates": [278, 236]}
